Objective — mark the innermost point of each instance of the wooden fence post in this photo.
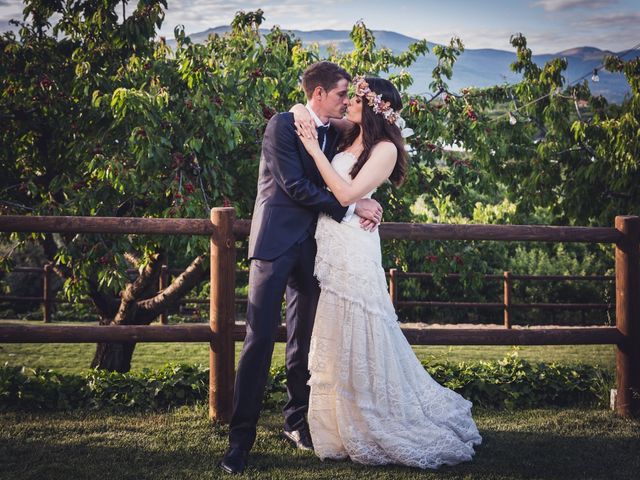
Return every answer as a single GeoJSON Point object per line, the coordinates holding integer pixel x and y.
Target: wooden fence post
{"type": "Point", "coordinates": [47, 300]}
{"type": "Point", "coordinates": [163, 282]}
{"type": "Point", "coordinates": [628, 316]}
{"type": "Point", "coordinates": [222, 314]}
{"type": "Point", "coordinates": [393, 286]}
{"type": "Point", "coordinates": [507, 299]}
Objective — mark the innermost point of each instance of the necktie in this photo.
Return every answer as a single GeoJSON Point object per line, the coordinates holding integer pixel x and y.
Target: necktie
{"type": "Point", "coordinates": [322, 136]}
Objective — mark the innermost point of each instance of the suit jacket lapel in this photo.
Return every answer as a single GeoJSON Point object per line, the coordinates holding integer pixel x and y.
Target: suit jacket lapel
{"type": "Point", "coordinates": [309, 164]}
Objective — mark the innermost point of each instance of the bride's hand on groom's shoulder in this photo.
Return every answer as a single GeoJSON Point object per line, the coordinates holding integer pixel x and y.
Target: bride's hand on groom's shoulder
{"type": "Point", "coordinates": [305, 126]}
{"type": "Point", "coordinates": [310, 143]}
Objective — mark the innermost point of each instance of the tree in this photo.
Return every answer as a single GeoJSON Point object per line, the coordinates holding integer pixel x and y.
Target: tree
{"type": "Point", "coordinates": [101, 119]}
{"type": "Point", "coordinates": [581, 162]}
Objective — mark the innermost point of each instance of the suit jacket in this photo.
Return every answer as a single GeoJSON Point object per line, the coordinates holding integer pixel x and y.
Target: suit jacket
{"type": "Point", "coordinates": [291, 191]}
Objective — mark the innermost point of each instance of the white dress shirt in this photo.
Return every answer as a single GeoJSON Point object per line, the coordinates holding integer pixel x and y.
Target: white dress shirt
{"type": "Point", "coordinates": [318, 122]}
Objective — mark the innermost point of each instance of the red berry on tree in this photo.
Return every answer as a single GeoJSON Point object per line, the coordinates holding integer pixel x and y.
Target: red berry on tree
{"type": "Point", "coordinates": [178, 160]}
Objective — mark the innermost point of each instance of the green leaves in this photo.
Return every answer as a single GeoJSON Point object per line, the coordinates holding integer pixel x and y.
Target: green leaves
{"type": "Point", "coordinates": [508, 383]}
{"type": "Point", "coordinates": [515, 383]}
{"type": "Point", "coordinates": [42, 389]}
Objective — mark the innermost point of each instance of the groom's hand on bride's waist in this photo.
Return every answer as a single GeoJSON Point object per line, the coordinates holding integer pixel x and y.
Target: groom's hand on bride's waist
{"type": "Point", "coordinates": [370, 213]}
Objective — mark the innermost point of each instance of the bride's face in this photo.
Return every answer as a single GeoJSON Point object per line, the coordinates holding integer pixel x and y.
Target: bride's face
{"type": "Point", "coordinates": [354, 110]}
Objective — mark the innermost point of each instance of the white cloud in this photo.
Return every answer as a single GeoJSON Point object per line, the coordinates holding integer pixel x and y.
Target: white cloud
{"type": "Point", "coordinates": [611, 21]}
{"type": "Point", "coordinates": [199, 15]}
{"type": "Point", "coordinates": [559, 5]}
{"type": "Point", "coordinates": [472, 37]}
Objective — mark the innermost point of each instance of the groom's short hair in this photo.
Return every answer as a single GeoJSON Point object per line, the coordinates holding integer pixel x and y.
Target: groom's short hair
{"type": "Point", "coordinates": [322, 74]}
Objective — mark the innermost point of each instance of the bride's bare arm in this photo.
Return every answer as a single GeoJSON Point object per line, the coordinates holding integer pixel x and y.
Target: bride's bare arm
{"type": "Point", "coordinates": [373, 173]}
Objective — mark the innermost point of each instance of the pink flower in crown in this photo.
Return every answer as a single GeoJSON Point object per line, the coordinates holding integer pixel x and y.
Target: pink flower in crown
{"type": "Point", "coordinates": [374, 100]}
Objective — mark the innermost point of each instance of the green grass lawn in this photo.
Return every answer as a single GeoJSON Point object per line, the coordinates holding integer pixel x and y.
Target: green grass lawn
{"type": "Point", "coordinates": [182, 444]}
{"type": "Point", "coordinates": [76, 357]}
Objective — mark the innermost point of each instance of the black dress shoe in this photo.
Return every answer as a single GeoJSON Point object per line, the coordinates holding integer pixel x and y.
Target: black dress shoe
{"type": "Point", "coordinates": [300, 438]}
{"type": "Point", "coordinates": [234, 461]}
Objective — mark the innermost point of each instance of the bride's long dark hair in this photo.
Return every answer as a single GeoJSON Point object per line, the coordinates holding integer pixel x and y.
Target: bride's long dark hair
{"type": "Point", "coordinates": [376, 129]}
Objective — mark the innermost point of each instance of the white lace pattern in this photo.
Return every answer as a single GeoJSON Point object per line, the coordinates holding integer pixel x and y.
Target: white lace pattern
{"type": "Point", "coordinates": [371, 399]}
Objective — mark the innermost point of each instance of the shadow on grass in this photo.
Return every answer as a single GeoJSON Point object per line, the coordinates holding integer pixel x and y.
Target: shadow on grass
{"type": "Point", "coordinates": [38, 446]}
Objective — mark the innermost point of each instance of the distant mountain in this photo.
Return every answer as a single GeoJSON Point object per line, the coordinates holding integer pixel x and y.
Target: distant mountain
{"type": "Point", "coordinates": [478, 68]}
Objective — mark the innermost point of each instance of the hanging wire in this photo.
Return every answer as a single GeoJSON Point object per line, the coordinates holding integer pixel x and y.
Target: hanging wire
{"type": "Point", "coordinates": [511, 113]}
{"type": "Point", "coordinates": [599, 67]}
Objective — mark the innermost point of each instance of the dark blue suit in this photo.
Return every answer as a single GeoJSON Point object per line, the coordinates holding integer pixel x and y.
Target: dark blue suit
{"type": "Point", "coordinates": [282, 250]}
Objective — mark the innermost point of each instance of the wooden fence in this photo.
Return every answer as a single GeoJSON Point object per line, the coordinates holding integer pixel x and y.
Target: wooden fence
{"type": "Point", "coordinates": [222, 332]}
{"type": "Point", "coordinates": [49, 299]}
{"type": "Point", "coordinates": [506, 305]}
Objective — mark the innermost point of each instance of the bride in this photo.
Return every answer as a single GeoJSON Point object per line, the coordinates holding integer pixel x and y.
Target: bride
{"type": "Point", "coordinates": [371, 399]}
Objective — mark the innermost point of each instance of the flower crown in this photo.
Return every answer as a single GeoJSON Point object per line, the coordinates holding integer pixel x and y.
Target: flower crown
{"type": "Point", "coordinates": [380, 106]}
{"type": "Point", "coordinates": [374, 100]}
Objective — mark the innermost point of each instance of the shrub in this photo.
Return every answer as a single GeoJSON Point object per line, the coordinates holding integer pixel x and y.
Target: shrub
{"type": "Point", "coordinates": [515, 383]}
{"type": "Point", "coordinates": [508, 383]}
{"type": "Point", "coordinates": [511, 383]}
{"type": "Point", "coordinates": [171, 386]}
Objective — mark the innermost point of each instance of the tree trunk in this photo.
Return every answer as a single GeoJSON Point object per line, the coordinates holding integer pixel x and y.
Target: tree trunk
{"type": "Point", "coordinates": [115, 357]}
{"type": "Point", "coordinates": [135, 309]}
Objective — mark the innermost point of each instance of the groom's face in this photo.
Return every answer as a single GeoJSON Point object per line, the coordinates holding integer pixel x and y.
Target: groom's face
{"type": "Point", "coordinates": [336, 100]}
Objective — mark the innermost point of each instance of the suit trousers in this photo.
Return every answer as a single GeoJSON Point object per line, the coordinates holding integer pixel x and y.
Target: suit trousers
{"type": "Point", "coordinates": [292, 274]}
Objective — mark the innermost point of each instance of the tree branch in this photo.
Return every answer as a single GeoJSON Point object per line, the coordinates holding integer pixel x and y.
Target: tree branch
{"type": "Point", "coordinates": [129, 297]}
{"type": "Point", "coordinates": [169, 298]}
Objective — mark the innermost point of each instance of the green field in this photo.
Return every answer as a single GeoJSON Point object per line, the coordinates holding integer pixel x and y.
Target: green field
{"type": "Point", "coordinates": [182, 444]}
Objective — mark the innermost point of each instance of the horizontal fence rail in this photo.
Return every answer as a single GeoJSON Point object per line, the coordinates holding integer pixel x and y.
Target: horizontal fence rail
{"type": "Point", "coordinates": [222, 332]}
{"type": "Point", "coordinates": [116, 225]}
{"type": "Point", "coordinates": [389, 230]}
{"type": "Point", "coordinates": [203, 333]}
{"type": "Point", "coordinates": [502, 233]}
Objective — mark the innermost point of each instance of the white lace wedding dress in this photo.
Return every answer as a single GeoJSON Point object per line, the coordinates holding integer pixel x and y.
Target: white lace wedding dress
{"type": "Point", "coordinates": [371, 399]}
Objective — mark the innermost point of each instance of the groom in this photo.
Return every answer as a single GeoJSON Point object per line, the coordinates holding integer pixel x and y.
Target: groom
{"type": "Point", "coordinates": [282, 250]}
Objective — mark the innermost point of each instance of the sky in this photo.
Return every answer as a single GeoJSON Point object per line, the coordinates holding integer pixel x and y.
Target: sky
{"type": "Point", "coordinates": [550, 26]}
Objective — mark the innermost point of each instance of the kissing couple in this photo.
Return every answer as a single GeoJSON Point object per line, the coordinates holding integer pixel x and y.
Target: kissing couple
{"type": "Point", "coordinates": [355, 388]}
